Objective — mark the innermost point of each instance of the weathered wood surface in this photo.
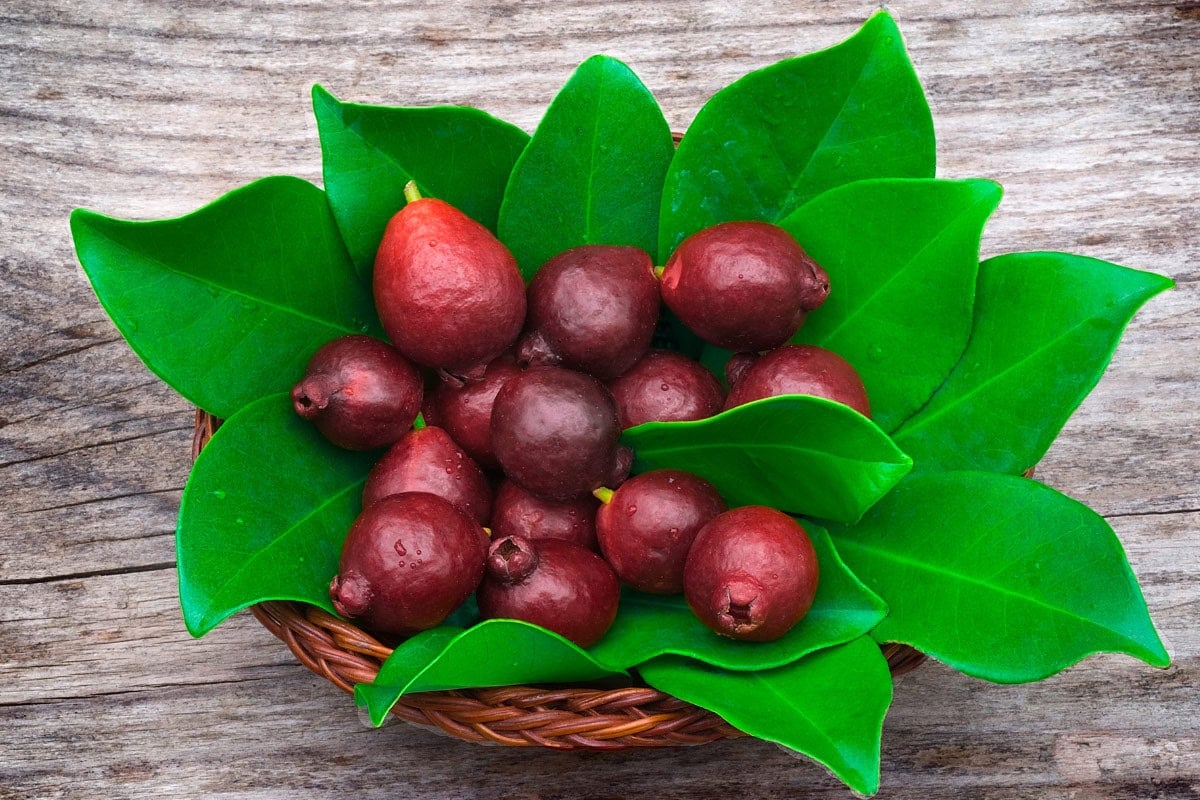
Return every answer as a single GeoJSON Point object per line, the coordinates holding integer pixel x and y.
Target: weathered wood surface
{"type": "Point", "coordinates": [1088, 113]}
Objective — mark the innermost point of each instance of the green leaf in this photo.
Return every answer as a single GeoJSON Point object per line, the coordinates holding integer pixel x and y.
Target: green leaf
{"type": "Point", "coordinates": [1046, 325]}
{"type": "Point", "coordinates": [460, 155]}
{"type": "Point", "coordinates": [998, 576]}
{"type": "Point", "coordinates": [801, 454]}
{"type": "Point", "coordinates": [902, 256]}
{"type": "Point", "coordinates": [228, 303]}
{"type": "Point", "coordinates": [496, 652]}
{"type": "Point", "coordinates": [829, 706]}
{"type": "Point", "coordinates": [264, 514]}
{"type": "Point", "coordinates": [769, 142]}
{"type": "Point", "coordinates": [652, 625]}
{"type": "Point", "coordinates": [405, 663]}
{"type": "Point", "coordinates": [593, 171]}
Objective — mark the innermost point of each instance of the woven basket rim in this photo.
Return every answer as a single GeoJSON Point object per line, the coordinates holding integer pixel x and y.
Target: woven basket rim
{"type": "Point", "coordinates": [559, 717]}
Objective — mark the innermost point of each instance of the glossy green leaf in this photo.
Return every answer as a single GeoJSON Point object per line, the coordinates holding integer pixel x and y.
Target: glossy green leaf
{"type": "Point", "coordinates": [264, 514]}
{"type": "Point", "coordinates": [649, 625]}
{"type": "Point", "coordinates": [496, 652]}
{"type": "Point", "coordinates": [1046, 325]}
{"type": "Point", "coordinates": [801, 454]}
{"type": "Point", "coordinates": [593, 171]}
{"type": "Point", "coordinates": [902, 257]}
{"type": "Point", "coordinates": [406, 662]}
{"type": "Point", "coordinates": [368, 153]}
{"type": "Point", "coordinates": [999, 576]}
{"type": "Point", "coordinates": [769, 142]}
{"type": "Point", "coordinates": [228, 303]}
{"type": "Point", "coordinates": [829, 706]}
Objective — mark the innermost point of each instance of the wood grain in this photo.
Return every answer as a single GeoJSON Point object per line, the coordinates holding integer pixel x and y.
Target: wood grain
{"type": "Point", "coordinates": [1088, 114]}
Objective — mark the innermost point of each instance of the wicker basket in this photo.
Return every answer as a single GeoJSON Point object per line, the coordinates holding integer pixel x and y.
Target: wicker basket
{"type": "Point", "coordinates": [564, 717]}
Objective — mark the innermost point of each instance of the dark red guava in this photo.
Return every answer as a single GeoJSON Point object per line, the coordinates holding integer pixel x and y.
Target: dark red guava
{"type": "Point", "coordinates": [751, 574]}
{"type": "Point", "coordinates": [558, 585]}
{"type": "Point", "coordinates": [516, 512]}
{"type": "Point", "coordinates": [800, 369]}
{"type": "Point", "coordinates": [555, 432]}
{"type": "Point", "coordinates": [592, 308]}
{"type": "Point", "coordinates": [408, 561]}
{"type": "Point", "coordinates": [428, 460]}
{"type": "Point", "coordinates": [744, 286]}
{"type": "Point", "coordinates": [359, 392]}
{"type": "Point", "coordinates": [646, 528]}
{"type": "Point", "coordinates": [448, 292]}
{"type": "Point", "coordinates": [665, 386]}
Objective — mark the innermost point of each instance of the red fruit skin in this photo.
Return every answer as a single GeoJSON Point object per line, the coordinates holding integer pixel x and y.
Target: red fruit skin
{"type": "Point", "coordinates": [743, 285]}
{"type": "Point", "coordinates": [408, 561]}
{"type": "Point", "coordinates": [428, 460]}
{"type": "Point", "coordinates": [570, 590]}
{"type": "Point", "coordinates": [801, 369]}
{"type": "Point", "coordinates": [555, 433]}
{"type": "Point", "coordinates": [516, 512]}
{"type": "Point", "coordinates": [751, 574]}
{"type": "Point", "coordinates": [647, 528]}
{"type": "Point", "coordinates": [465, 410]}
{"type": "Point", "coordinates": [594, 307]}
{"type": "Point", "coordinates": [666, 387]}
{"type": "Point", "coordinates": [448, 292]}
{"type": "Point", "coordinates": [359, 392]}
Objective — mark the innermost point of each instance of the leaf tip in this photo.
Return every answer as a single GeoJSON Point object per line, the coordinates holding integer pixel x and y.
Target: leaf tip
{"type": "Point", "coordinates": [322, 95]}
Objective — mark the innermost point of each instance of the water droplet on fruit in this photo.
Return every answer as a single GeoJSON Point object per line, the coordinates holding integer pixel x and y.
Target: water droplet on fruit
{"type": "Point", "coordinates": [665, 387]}
{"type": "Point", "coordinates": [876, 352]}
{"type": "Point", "coordinates": [132, 325]}
{"type": "Point", "coordinates": [219, 494]}
{"type": "Point", "coordinates": [631, 510]}
{"type": "Point", "coordinates": [240, 521]}
{"type": "Point", "coordinates": [400, 550]}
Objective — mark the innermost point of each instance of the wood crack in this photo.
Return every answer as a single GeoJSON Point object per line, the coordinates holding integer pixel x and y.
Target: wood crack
{"type": "Point", "coordinates": [60, 354]}
{"type": "Point", "coordinates": [93, 445]}
{"type": "Point", "coordinates": [42, 701]}
{"type": "Point", "coordinates": [97, 573]}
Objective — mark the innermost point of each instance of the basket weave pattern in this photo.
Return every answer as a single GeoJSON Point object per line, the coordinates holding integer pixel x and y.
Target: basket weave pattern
{"type": "Point", "coordinates": [565, 717]}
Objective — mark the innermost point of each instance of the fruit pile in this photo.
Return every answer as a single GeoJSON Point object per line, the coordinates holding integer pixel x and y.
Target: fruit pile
{"type": "Point", "coordinates": [532, 388]}
{"type": "Point", "coordinates": [488, 358]}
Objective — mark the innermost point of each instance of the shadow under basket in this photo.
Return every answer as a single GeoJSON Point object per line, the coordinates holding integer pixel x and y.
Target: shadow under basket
{"type": "Point", "coordinates": [560, 717]}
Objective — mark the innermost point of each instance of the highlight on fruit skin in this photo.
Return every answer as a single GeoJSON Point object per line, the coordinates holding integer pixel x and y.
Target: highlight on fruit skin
{"type": "Point", "coordinates": [744, 286]}
{"type": "Point", "coordinates": [751, 574]}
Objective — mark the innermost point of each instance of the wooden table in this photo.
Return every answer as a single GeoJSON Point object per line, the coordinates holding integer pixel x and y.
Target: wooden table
{"type": "Point", "coordinates": [1088, 113]}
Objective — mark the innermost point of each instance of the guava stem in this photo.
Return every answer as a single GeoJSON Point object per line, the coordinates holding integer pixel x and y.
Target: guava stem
{"type": "Point", "coordinates": [419, 422]}
{"type": "Point", "coordinates": [411, 193]}
{"type": "Point", "coordinates": [603, 494]}
{"type": "Point", "coordinates": [658, 271]}
{"type": "Point", "coordinates": [488, 531]}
